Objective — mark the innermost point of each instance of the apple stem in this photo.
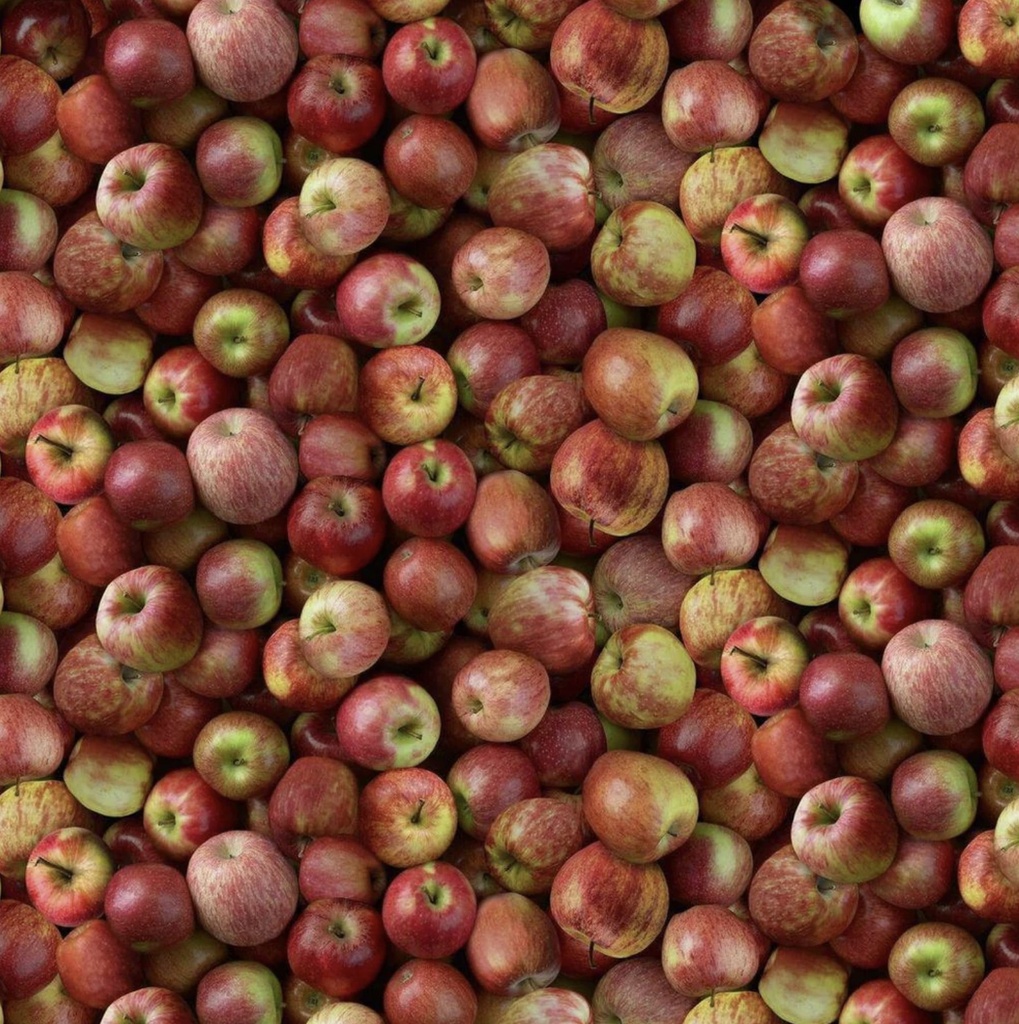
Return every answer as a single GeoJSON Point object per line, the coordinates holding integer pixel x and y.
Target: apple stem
{"type": "Point", "coordinates": [590, 532]}
{"type": "Point", "coordinates": [755, 235]}
{"type": "Point", "coordinates": [755, 658]}
{"type": "Point", "coordinates": [590, 118]}
{"type": "Point", "coordinates": [590, 955]}
{"type": "Point", "coordinates": [64, 873]}
{"type": "Point", "coordinates": [416, 816]}
{"type": "Point", "coordinates": [62, 448]}
{"type": "Point", "coordinates": [416, 395]}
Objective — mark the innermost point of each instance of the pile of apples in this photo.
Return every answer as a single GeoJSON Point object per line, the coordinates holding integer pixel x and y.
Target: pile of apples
{"type": "Point", "coordinates": [509, 512]}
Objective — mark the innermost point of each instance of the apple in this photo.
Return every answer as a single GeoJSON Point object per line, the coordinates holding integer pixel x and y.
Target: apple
{"type": "Point", "coordinates": [429, 65]}
{"type": "Point", "coordinates": [487, 779]}
{"type": "Point", "coordinates": [344, 205]}
{"type": "Point", "coordinates": [259, 30]}
{"type": "Point", "coordinates": [66, 875]}
{"type": "Point", "coordinates": [936, 965]}
{"type": "Point", "coordinates": [991, 998]}
{"type": "Point", "coordinates": [708, 949]}
{"type": "Point", "coordinates": [428, 910]}
{"type": "Point", "coordinates": [148, 61]}
{"type": "Point", "coordinates": [936, 543]}
{"type": "Point", "coordinates": [429, 992]}
{"type": "Point", "coordinates": [804, 985]}
{"type": "Point", "coordinates": [805, 564]}
{"type": "Point", "coordinates": [843, 695]}
{"type": "Point", "coordinates": [147, 484]}
{"type": "Point", "coordinates": [877, 600]}
{"type": "Point", "coordinates": [982, 41]}
{"type": "Point", "coordinates": [148, 906]}
{"type": "Point", "coordinates": [182, 810]}
{"type": "Point", "coordinates": [783, 737]}
{"type": "Point", "coordinates": [95, 967]}
{"type": "Point", "coordinates": [340, 867]}
{"type": "Point", "coordinates": [231, 903]}
{"type": "Point", "coordinates": [564, 744]}
{"type": "Point", "coordinates": [111, 775]}
{"type": "Point", "coordinates": [239, 992]}
{"type": "Point", "coordinates": [806, 142]}
{"type": "Point", "coordinates": [693, 121]}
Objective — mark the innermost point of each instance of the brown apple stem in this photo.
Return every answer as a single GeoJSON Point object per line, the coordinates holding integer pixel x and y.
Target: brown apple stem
{"type": "Point", "coordinates": [590, 118]}
{"type": "Point", "coordinates": [416, 396]}
{"type": "Point", "coordinates": [64, 873]}
{"type": "Point", "coordinates": [411, 733]}
{"type": "Point", "coordinates": [755, 235]}
{"type": "Point", "coordinates": [416, 816]}
{"type": "Point", "coordinates": [590, 955]}
{"type": "Point", "coordinates": [755, 658]}
{"type": "Point", "coordinates": [62, 448]}
{"type": "Point", "coordinates": [828, 392]}
{"type": "Point", "coordinates": [590, 532]}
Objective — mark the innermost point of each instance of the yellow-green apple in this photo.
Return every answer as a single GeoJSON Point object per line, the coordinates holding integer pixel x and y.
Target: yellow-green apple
{"type": "Point", "coordinates": [1006, 829]}
{"type": "Point", "coordinates": [643, 678]}
{"type": "Point", "coordinates": [714, 443]}
{"type": "Point", "coordinates": [241, 331]}
{"type": "Point", "coordinates": [708, 949]}
{"type": "Point", "coordinates": [149, 197]}
{"type": "Point", "coordinates": [934, 372]}
{"type": "Point", "coordinates": [428, 488]}
{"type": "Point", "coordinates": [67, 451]}
{"type": "Point", "coordinates": [148, 61]}
{"type": "Point", "coordinates": [239, 583]}
{"type": "Point", "coordinates": [487, 356]}
{"type": "Point", "coordinates": [241, 754]}
{"type": "Point", "coordinates": [227, 239]}
{"type": "Point", "coordinates": [843, 272]}
{"type": "Point", "coordinates": [110, 354]}
{"type": "Point", "coordinates": [326, 1010]}
{"type": "Point", "coordinates": [34, 322]}
{"type": "Point", "coordinates": [29, 228]}
{"type": "Point", "coordinates": [243, 466]}
{"type": "Point", "coordinates": [427, 992]}
{"type": "Point", "coordinates": [529, 841]}
{"type": "Point", "coordinates": [243, 889]}
{"type": "Point", "coordinates": [428, 910]}
{"type": "Point", "coordinates": [717, 604]}
{"type": "Point", "coordinates": [603, 500]}
{"type": "Point", "coordinates": [95, 121]}
{"type": "Point", "coordinates": [530, 417]}
{"type": "Point", "coordinates": [239, 161]}
{"type": "Point", "coordinates": [551, 1003]}
{"type": "Point", "coordinates": [501, 272]}
{"type": "Point", "coordinates": [339, 444]}
{"type": "Point", "coordinates": [33, 746]}
{"type": "Point", "coordinates": [148, 906]}
{"type": "Point", "coordinates": [110, 775]}
{"type": "Point", "coordinates": [387, 722]}
{"type": "Point", "coordinates": [936, 121]}
{"type": "Point", "coordinates": [564, 744]}
{"type": "Point", "coordinates": [501, 695]}
{"type": "Point", "coordinates": [640, 384]}
{"type": "Point", "coordinates": [28, 109]}
{"type": "Point", "coordinates": [803, 50]}
{"type": "Point", "coordinates": [547, 613]}
{"type": "Point", "coordinates": [344, 205]}
{"type": "Point", "coordinates": [621, 780]}
{"type": "Point", "coordinates": [487, 779]}
{"type": "Point", "coordinates": [805, 142]}
{"type": "Point", "coordinates": [344, 627]}
{"type": "Point", "coordinates": [910, 33]}
{"type": "Point", "coordinates": [547, 191]}
{"type": "Point", "coordinates": [407, 395]}
{"type": "Point", "coordinates": [259, 30]}
{"type": "Point", "coordinates": [429, 65]}
{"type": "Point", "coordinates": [804, 985]}
{"type": "Point", "coordinates": [633, 158]}
{"type": "Point", "coordinates": [239, 992]}
{"type": "Point", "coordinates": [916, 242]}
{"type": "Point", "coordinates": [147, 484]}
{"type": "Point", "coordinates": [877, 177]}
{"type": "Point", "coordinates": [341, 26]}
{"type": "Point", "coordinates": [692, 120]}
{"type": "Point", "coordinates": [28, 654]}
{"type": "Point", "coordinates": [290, 678]}
{"type": "Point", "coordinates": [793, 906]}
{"type": "Point", "coordinates": [643, 255]}
{"type": "Point", "coordinates": [804, 564]}
{"type": "Point", "coordinates": [936, 543]}
{"type": "Point", "coordinates": [984, 38]}
{"type": "Point", "coordinates": [612, 61]}
{"type": "Point", "coordinates": [512, 525]}
{"type": "Point", "coordinates": [611, 905]}
{"type": "Point", "coordinates": [934, 794]}
{"type": "Point", "coordinates": [340, 867]}
{"type": "Point", "coordinates": [317, 796]}
{"type": "Point", "coordinates": [844, 830]}
{"type": "Point", "coordinates": [336, 945]}
{"type": "Point", "coordinates": [936, 965]}
{"type": "Point", "coordinates": [843, 695]}
{"type": "Point", "coordinates": [921, 663]}
{"type": "Point", "coordinates": [761, 664]}
{"type": "Point", "coordinates": [512, 102]}
{"type": "Point", "coordinates": [792, 483]}
{"type": "Point", "coordinates": [98, 695]}
{"type": "Point", "coordinates": [512, 948]}
{"type": "Point", "coordinates": [634, 582]}
{"type": "Point", "coordinates": [407, 816]}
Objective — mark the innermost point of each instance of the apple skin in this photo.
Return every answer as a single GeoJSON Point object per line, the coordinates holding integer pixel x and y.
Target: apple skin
{"type": "Point", "coordinates": [259, 32]}
{"type": "Point", "coordinates": [843, 695]}
{"type": "Point", "coordinates": [96, 967]}
{"type": "Point", "coordinates": [239, 992]}
{"type": "Point", "coordinates": [714, 866]}
{"type": "Point", "coordinates": [790, 905]}
{"type": "Point", "coordinates": [936, 965]}
{"type": "Point", "coordinates": [923, 658]}
{"type": "Point", "coordinates": [708, 949]}
{"type": "Point", "coordinates": [429, 992]}
{"type": "Point", "coordinates": [934, 795]}
{"type": "Point", "coordinates": [804, 985]}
